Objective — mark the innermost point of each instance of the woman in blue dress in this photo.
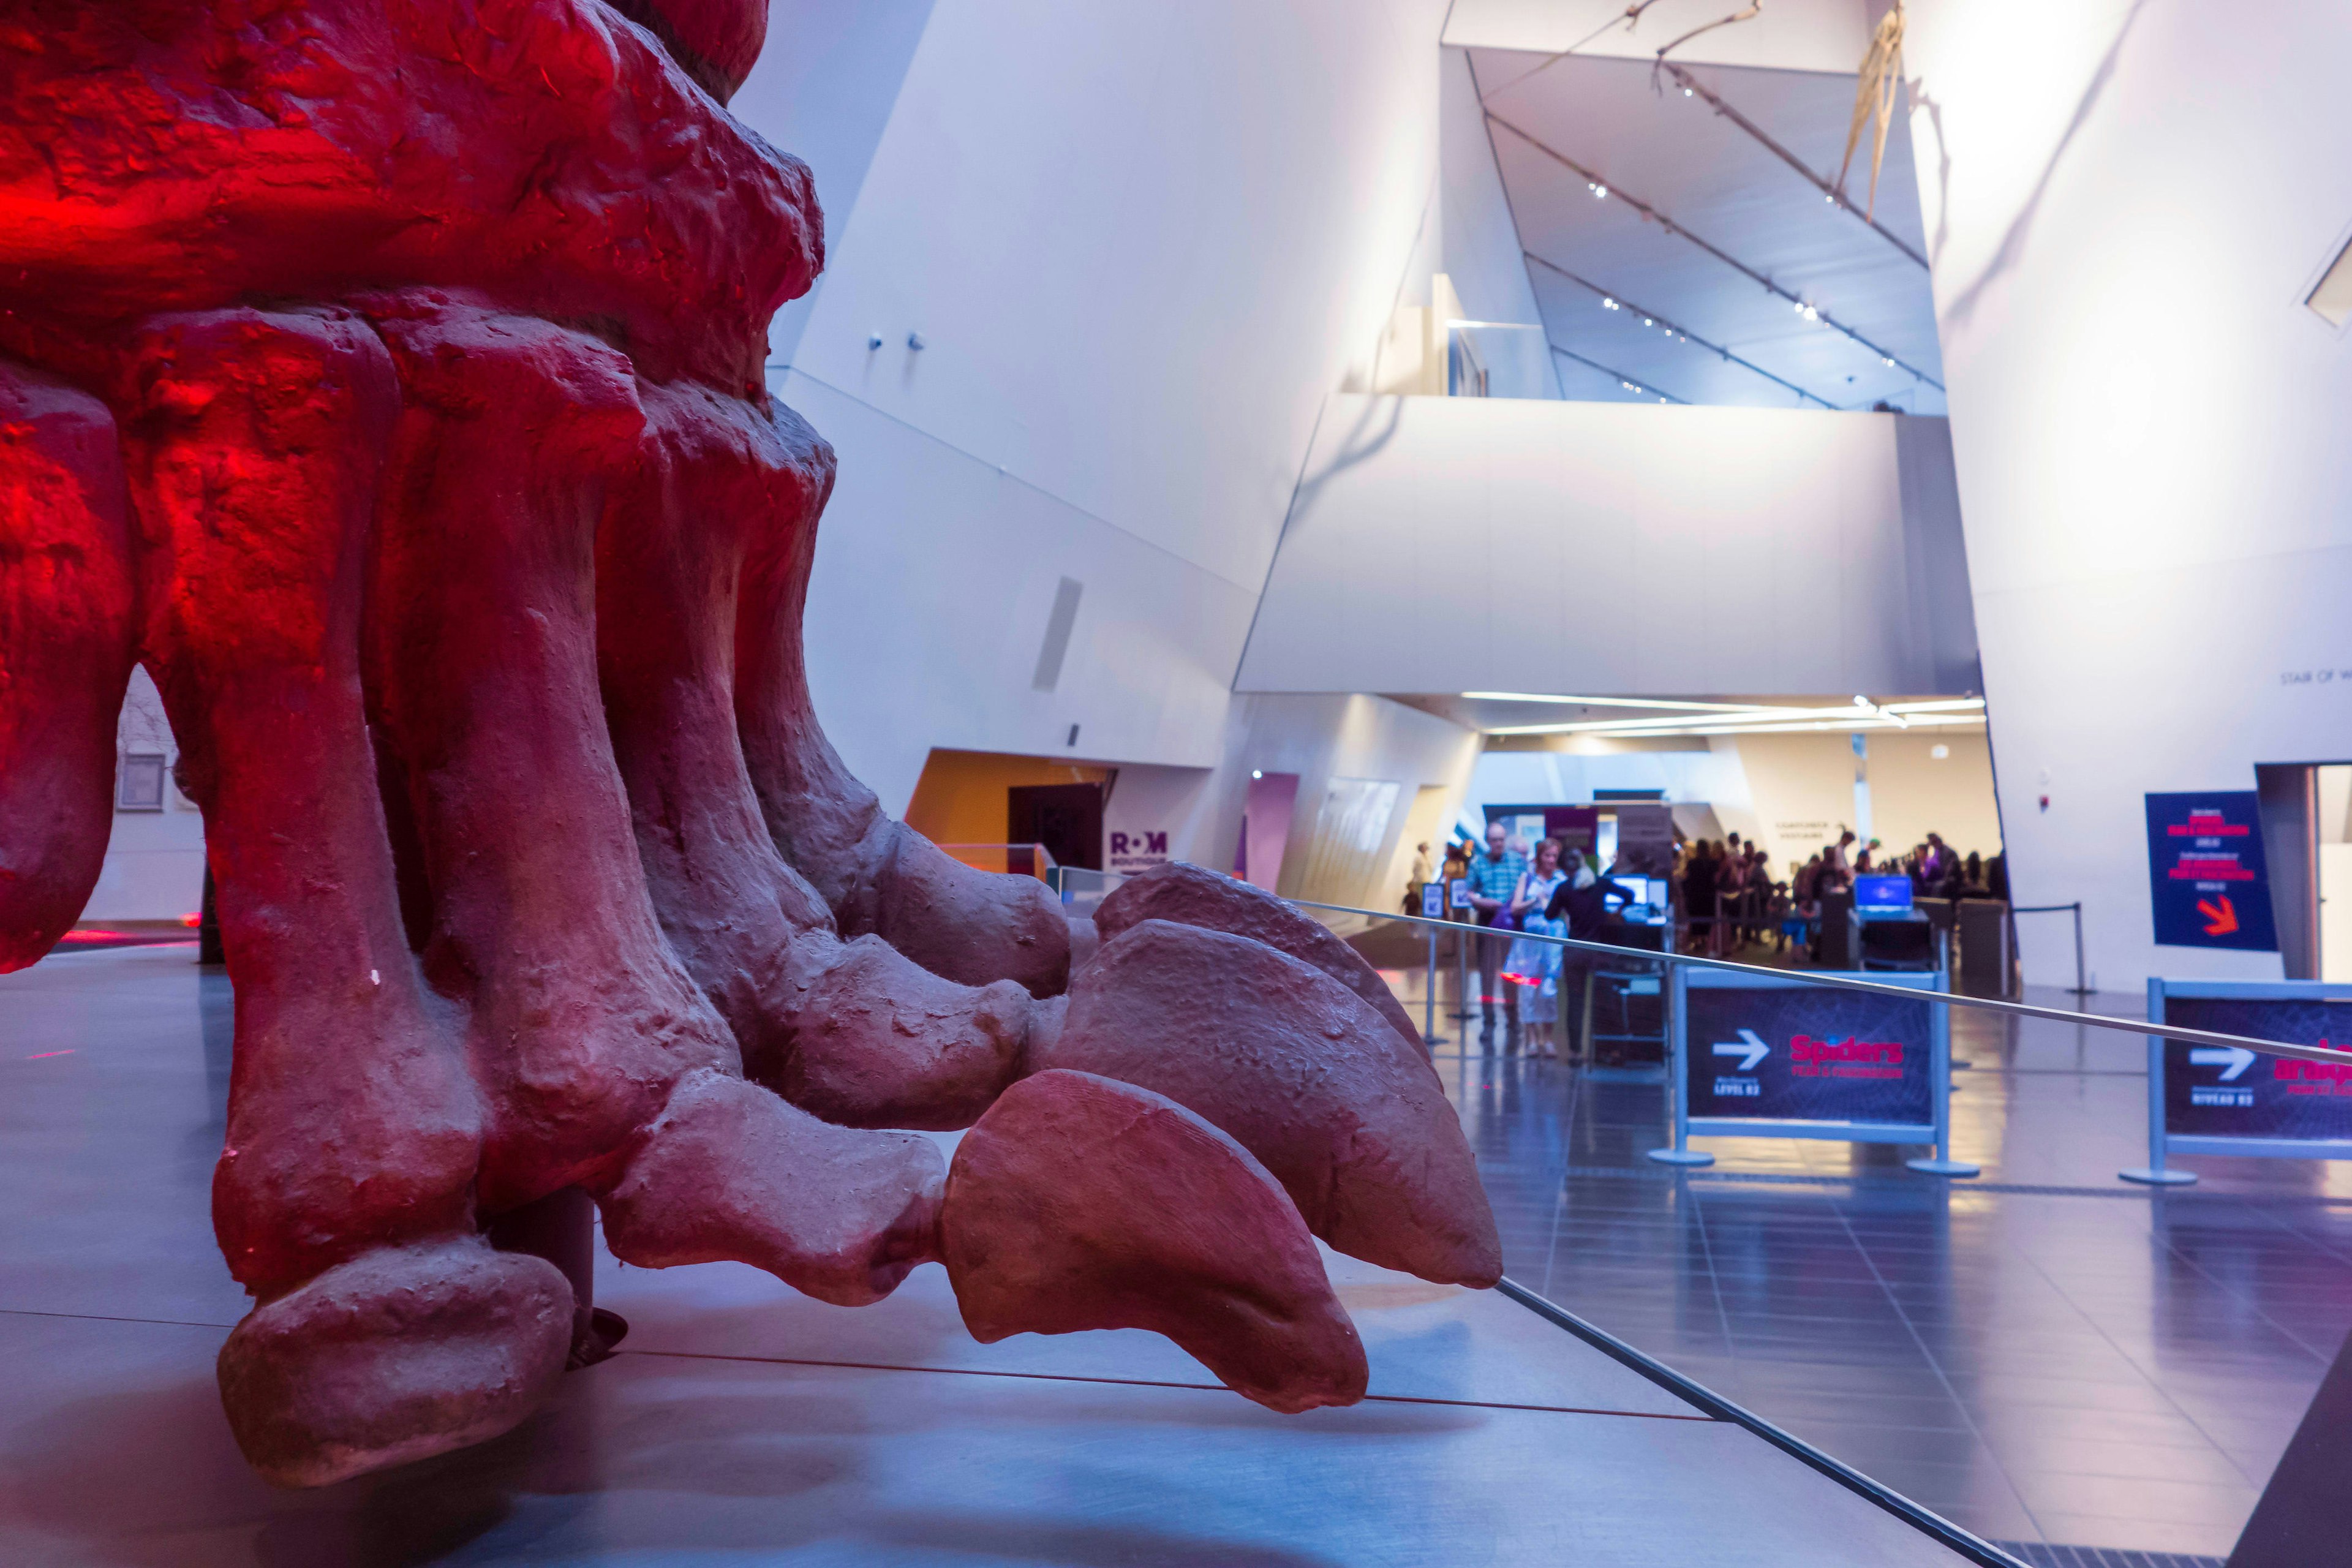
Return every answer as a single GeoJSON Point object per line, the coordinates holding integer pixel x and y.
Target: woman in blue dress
{"type": "Point", "coordinates": [1535, 964]}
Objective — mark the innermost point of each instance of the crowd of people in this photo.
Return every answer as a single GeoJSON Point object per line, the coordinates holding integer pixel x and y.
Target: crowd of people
{"type": "Point", "coordinates": [1725, 893]}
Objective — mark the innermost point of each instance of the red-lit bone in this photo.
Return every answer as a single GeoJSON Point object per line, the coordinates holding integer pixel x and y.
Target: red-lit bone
{"type": "Point", "coordinates": [65, 653]}
{"type": "Point", "coordinates": [386, 377]}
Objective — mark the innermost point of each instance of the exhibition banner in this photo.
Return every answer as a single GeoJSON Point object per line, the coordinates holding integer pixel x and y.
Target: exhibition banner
{"type": "Point", "coordinates": [2208, 884]}
{"type": "Point", "coordinates": [1754, 1051]}
{"type": "Point", "coordinates": [1645, 840]}
{"type": "Point", "coordinates": [2230, 1099]}
{"type": "Point", "coordinates": [1578, 827]}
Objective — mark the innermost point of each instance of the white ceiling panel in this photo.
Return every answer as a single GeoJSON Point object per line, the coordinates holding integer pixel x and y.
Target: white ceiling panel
{"type": "Point", "coordinates": [1709, 240]}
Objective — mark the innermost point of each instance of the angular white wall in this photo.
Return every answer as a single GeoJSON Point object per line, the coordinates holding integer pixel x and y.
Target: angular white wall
{"type": "Point", "coordinates": [2127, 203]}
{"type": "Point", "coordinates": [1461, 544]}
{"type": "Point", "coordinates": [1140, 246]}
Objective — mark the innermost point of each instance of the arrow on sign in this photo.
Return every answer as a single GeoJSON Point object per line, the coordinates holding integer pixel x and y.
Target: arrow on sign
{"type": "Point", "coordinates": [1755, 1050]}
{"type": "Point", "coordinates": [2222, 918]}
{"type": "Point", "coordinates": [2235, 1059]}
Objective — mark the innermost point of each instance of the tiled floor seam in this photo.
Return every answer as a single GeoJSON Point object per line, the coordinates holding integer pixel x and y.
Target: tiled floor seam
{"type": "Point", "coordinates": [112, 1318]}
{"type": "Point", "coordinates": [1159, 1383]}
{"type": "Point", "coordinates": [1975, 1430]}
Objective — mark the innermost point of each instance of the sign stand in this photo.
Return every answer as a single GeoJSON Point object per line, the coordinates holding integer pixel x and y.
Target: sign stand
{"type": "Point", "coordinates": [1678, 1152]}
{"type": "Point", "coordinates": [2269, 1114]}
{"type": "Point", "coordinates": [1943, 1164]}
{"type": "Point", "coordinates": [1823, 1062]}
{"type": "Point", "coordinates": [2155, 1174]}
{"type": "Point", "coordinates": [1433, 908]}
{"type": "Point", "coordinates": [1457, 899]}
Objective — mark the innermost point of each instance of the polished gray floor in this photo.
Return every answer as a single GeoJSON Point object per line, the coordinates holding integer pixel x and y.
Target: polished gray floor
{"type": "Point", "coordinates": [2046, 1355]}
{"type": "Point", "coordinates": [744, 1424]}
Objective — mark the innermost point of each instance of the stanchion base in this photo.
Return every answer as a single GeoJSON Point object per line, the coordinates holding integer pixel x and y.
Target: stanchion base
{"type": "Point", "coordinates": [1682, 1157]}
{"type": "Point", "coordinates": [2148, 1177]}
{"type": "Point", "coordinates": [1944, 1167]}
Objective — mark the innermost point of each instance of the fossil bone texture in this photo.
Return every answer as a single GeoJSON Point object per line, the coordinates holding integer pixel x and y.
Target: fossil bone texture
{"type": "Point", "coordinates": [386, 377]}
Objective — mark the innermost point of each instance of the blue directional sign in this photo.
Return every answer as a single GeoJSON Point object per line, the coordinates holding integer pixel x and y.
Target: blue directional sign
{"type": "Point", "coordinates": [1757, 1051]}
{"type": "Point", "coordinates": [2208, 884]}
{"type": "Point", "coordinates": [2229, 1091]}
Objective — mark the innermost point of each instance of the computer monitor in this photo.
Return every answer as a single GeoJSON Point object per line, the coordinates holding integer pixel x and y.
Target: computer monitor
{"type": "Point", "coordinates": [1882, 895]}
{"type": "Point", "coordinates": [1637, 892]}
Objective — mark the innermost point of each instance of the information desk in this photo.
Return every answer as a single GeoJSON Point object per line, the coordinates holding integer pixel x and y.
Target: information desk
{"type": "Point", "coordinates": [1757, 1055]}
{"type": "Point", "coordinates": [2228, 1099]}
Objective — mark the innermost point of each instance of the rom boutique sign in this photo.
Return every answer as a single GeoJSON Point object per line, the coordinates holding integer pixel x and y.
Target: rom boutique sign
{"type": "Point", "coordinates": [1140, 850]}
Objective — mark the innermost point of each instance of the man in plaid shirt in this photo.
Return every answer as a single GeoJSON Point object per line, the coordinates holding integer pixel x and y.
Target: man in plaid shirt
{"type": "Point", "coordinates": [1495, 875]}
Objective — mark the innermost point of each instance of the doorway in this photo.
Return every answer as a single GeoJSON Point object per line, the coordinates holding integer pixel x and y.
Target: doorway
{"type": "Point", "coordinates": [1266, 828]}
{"type": "Point", "coordinates": [1067, 819]}
{"type": "Point", "coordinates": [2332, 844]}
{"type": "Point", "coordinates": [2307, 816]}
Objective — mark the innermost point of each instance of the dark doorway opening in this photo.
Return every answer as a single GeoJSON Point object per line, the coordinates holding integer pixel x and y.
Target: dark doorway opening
{"type": "Point", "coordinates": [1067, 819]}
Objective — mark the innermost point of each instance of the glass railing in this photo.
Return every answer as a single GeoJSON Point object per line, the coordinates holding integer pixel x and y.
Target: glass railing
{"type": "Point", "coordinates": [1496, 359]}
{"type": "Point", "coordinates": [1019, 860]}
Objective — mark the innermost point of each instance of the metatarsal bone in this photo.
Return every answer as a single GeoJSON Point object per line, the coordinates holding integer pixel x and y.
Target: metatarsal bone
{"type": "Point", "coordinates": [856, 1032]}
{"type": "Point", "coordinates": [254, 442]}
{"type": "Point", "coordinates": [669, 562]}
{"type": "Point", "coordinates": [66, 652]}
{"type": "Point", "coordinates": [877, 875]}
{"type": "Point", "coordinates": [483, 651]}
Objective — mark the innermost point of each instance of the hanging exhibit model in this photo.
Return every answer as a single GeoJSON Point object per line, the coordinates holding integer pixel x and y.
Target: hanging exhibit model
{"type": "Point", "coordinates": [386, 377]}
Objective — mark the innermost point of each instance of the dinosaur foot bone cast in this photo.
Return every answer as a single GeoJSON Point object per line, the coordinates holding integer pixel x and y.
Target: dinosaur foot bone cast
{"type": "Point", "coordinates": [385, 376]}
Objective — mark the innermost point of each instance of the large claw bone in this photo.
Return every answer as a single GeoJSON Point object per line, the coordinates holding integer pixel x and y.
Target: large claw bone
{"type": "Point", "coordinates": [1349, 1119]}
{"type": "Point", "coordinates": [1191, 895]}
{"type": "Point", "coordinates": [1078, 1202]}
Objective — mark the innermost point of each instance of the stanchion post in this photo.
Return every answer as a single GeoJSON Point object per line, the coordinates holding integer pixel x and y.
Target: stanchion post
{"type": "Point", "coordinates": [1939, 1077]}
{"type": "Point", "coordinates": [1429, 1036]}
{"type": "Point", "coordinates": [1462, 1013]}
{"type": "Point", "coordinates": [1673, 993]}
{"type": "Point", "coordinates": [2082, 981]}
{"type": "Point", "coordinates": [2156, 1174]}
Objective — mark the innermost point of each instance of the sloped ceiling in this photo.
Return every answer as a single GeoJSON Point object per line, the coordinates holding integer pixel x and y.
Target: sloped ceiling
{"type": "Point", "coordinates": [1709, 240]}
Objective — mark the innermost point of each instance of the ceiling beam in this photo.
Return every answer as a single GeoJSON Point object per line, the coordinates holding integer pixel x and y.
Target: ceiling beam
{"type": "Point", "coordinates": [1692, 86]}
{"type": "Point", "coordinates": [1675, 327]}
{"type": "Point", "coordinates": [1624, 380]}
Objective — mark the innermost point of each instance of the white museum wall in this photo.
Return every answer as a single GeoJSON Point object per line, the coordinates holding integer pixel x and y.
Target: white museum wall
{"type": "Point", "coordinates": [1138, 258]}
{"type": "Point", "coordinates": [823, 92]}
{"type": "Point", "coordinates": [1801, 791]}
{"type": "Point", "coordinates": [1914, 792]}
{"type": "Point", "coordinates": [2128, 203]}
{"type": "Point", "coordinates": [1463, 544]}
{"type": "Point", "coordinates": [1139, 244]}
{"type": "Point", "coordinates": [1324, 738]}
{"type": "Point", "coordinates": [155, 865]}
